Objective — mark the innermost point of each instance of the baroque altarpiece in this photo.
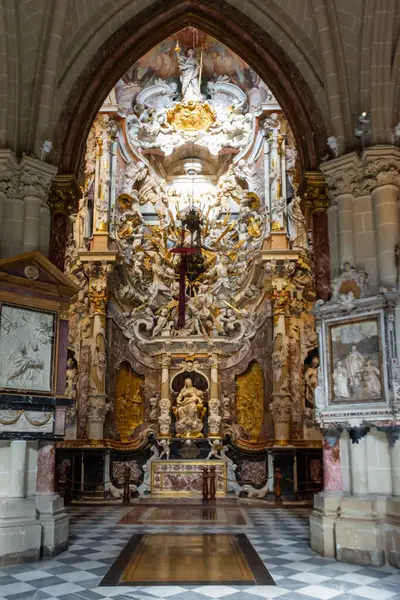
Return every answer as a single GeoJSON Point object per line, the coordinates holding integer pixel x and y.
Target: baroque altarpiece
{"type": "Point", "coordinates": [193, 258]}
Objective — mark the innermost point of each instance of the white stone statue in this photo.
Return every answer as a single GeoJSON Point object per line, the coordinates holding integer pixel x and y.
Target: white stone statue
{"type": "Point", "coordinates": [371, 378]}
{"type": "Point", "coordinates": [340, 381]}
{"type": "Point", "coordinates": [278, 206]}
{"type": "Point", "coordinates": [216, 447]}
{"type": "Point", "coordinates": [153, 412]}
{"type": "Point", "coordinates": [253, 492]}
{"type": "Point", "coordinates": [72, 379]}
{"type": "Point", "coordinates": [189, 69]}
{"type": "Point", "coordinates": [349, 273]}
{"type": "Point", "coordinates": [82, 224]}
{"type": "Point", "coordinates": [189, 411]}
{"type": "Point", "coordinates": [333, 145]}
{"type": "Point", "coordinates": [214, 418]}
{"type": "Point", "coordinates": [355, 366]}
{"type": "Point", "coordinates": [226, 409]}
{"type": "Point", "coordinates": [311, 381]}
{"type": "Point", "coordinates": [164, 420]}
{"type": "Point", "coordinates": [165, 445]}
{"type": "Point", "coordinates": [296, 224]}
{"type": "Point", "coordinates": [164, 325]}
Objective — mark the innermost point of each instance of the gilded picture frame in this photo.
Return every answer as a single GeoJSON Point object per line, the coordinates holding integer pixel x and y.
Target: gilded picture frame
{"type": "Point", "coordinates": [27, 349]}
{"type": "Point", "coordinates": [355, 363]}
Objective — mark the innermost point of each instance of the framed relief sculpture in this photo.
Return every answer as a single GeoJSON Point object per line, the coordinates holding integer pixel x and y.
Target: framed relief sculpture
{"type": "Point", "coordinates": [355, 360]}
{"type": "Point", "coordinates": [26, 349]}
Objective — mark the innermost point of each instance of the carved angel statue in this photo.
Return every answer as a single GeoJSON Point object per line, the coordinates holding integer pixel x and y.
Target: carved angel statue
{"type": "Point", "coordinates": [135, 172]}
{"type": "Point", "coordinates": [296, 224]}
{"type": "Point", "coordinates": [153, 412]}
{"type": "Point", "coordinates": [165, 445]}
{"type": "Point", "coordinates": [311, 381]}
{"type": "Point", "coordinates": [164, 420]}
{"type": "Point", "coordinates": [72, 379]}
{"type": "Point", "coordinates": [216, 448]}
{"type": "Point", "coordinates": [214, 418]}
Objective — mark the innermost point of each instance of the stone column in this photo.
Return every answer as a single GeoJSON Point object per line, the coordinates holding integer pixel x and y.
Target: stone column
{"type": "Point", "coordinates": [63, 201]}
{"type": "Point", "coordinates": [49, 504]}
{"type": "Point", "coordinates": [35, 179]}
{"type": "Point", "coordinates": [214, 387]}
{"type": "Point", "coordinates": [318, 203]}
{"type": "Point", "coordinates": [332, 465]}
{"type": "Point", "coordinates": [8, 187]}
{"type": "Point", "coordinates": [17, 468]}
{"type": "Point", "coordinates": [378, 463]}
{"type": "Point", "coordinates": [326, 504]}
{"type": "Point", "coordinates": [98, 408]}
{"type": "Point", "coordinates": [281, 398]}
{"type": "Point", "coordinates": [343, 176]}
{"type": "Point", "coordinates": [394, 442]}
{"type": "Point", "coordinates": [382, 178]}
{"type": "Point", "coordinates": [358, 458]}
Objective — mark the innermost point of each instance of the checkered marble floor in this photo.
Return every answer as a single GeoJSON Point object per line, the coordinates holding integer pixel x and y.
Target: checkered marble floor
{"type": "Point", "coordinates": [280, 536]}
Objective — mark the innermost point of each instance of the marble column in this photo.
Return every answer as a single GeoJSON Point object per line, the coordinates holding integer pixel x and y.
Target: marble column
{"type": "Point", "coordinates": [35, 179]}
{"type": "Point", "coordinates": [318, 203]}
{"type": "Point", "coordinates": [331, 460]}
{"type": "Point", "coordinates": [46, 468]}
{"type": "Point", "coordinates": [49, 504]}
{"type": "Point", "coordinates": [17, 468]}
{"type": "Point", "coordinates": [165, 379]}
{"type": "Point", "coordinates": [358, 458]}
{"type": "Point", "coordinates": [63, 201]}
{"type": "Point", "coordinates": [280, 406]}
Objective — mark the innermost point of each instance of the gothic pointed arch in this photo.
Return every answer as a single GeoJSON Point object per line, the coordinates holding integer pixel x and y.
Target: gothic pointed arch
{"type": "Point", "coordinates": [219, 19]}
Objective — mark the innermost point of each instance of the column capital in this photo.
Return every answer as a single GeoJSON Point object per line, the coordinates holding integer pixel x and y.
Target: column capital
{"type": "Point", "coordinates": [64, 194]}
{"type": "Point", "coordinates": [35, 177]}
{"type": "Point", "coordinates": [316, 192]}
{"type": "Point", "coordinates": [343, 175]}
{"type": "Point", "coordinates": [9, 171]}
{"type": "Point", "coordinates": [381, 166]}
{"type": "Point", "coordinates": [332, 435]}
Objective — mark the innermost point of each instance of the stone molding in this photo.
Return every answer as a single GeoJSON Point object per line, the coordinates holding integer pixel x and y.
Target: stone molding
{"type": "Point", "coordinates": [9, 169]}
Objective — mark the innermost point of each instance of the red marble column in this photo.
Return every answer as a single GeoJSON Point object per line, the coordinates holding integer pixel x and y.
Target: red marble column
{"type": "Point", "coordinates": [46, 468]}
{"type": "Point", "coordinates": [318, 203]}
{"type": "Point", "coordinates": [332, 466]}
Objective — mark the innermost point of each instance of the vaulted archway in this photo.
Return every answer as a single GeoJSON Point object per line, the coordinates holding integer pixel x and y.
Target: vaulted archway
{"type": "Point", "coordinates": [150, 27]}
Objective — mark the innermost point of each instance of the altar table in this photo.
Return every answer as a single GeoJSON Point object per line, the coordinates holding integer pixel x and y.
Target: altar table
{"type": "Point", "coordinates": [185, 477]}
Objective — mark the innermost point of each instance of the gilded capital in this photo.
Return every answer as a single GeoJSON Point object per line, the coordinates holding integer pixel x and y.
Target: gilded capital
{"type": "Point", "coordinates": [316, 193]}
{"type": "Point", "coordinates": [64, 195]}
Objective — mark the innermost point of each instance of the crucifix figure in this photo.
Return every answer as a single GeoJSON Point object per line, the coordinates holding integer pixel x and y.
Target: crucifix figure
{"type": "Point", "coordinates": [191, 221]}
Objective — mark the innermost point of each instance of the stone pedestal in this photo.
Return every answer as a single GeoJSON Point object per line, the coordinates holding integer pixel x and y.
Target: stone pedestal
{"type": "Point", "coordinates": [322, 523]}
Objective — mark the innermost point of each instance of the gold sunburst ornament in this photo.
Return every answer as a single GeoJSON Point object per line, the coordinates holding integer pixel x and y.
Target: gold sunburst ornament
{"type": "Point", "coordinates": [191, 116]}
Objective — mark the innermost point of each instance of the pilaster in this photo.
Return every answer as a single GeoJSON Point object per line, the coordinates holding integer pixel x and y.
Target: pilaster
{"type": "Point", "coordinates": [63, 201]}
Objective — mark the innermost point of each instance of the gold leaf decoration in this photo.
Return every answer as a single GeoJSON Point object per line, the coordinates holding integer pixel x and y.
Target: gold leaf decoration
{"type": "Point", "coordinates": [250, 400]}
{"type": "Point", "coordinates": [129, 403]}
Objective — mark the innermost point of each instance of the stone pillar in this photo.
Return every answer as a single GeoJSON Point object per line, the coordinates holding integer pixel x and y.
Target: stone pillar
{"type": "Point", "coordinates": [164, 418]}
{"type": "Point", "coordinates": [214, 387]}
{"type": "Point", "coordinates": [98, 408]}
{"type": "Point", "coordinates": [378, 463]}
{"type": "Point", "coordinates": [8, 188]}
{"type": "Point", "coordinates": [35, 179]}
{"type": "Point", "coordinates": [395, 460]}
{"type": "Point", "coordinates": [49, 505]}
{"type": "Point", "coordinates": [343, 175]}
{"type": "Point", "coordinates": [358, 458]}
{"type": "Point", "coordinates": [20, 532]}
{"type": "Point", "coordinates": [318, 203]}
{"type": "Point", "coordinates": [332, 464]}
{"type": "Point", "coordinates": [281, 399]}
{"type": "Point", "coordinates": [382, 178]}
{"type": "Point", "coordinates": [327, 503]}
{"type": "Point", "coordinates": [63, 201]}
{"type": "Point", "coordinates": [17, 468]}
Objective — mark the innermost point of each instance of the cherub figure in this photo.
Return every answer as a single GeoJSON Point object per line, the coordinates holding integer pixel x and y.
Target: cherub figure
{"type": "Point", "coordinates": [165, 445]}
{"type": "Point", "coordinates": [216, 447]}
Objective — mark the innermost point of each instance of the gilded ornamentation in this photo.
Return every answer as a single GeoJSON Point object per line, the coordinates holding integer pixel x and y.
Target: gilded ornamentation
{"type": "Point", "coordinates": [191, 116]}
{"type": "Point", "coordinates": [129, 404]}
{"type": "Point", "coordinates": [250, 400]}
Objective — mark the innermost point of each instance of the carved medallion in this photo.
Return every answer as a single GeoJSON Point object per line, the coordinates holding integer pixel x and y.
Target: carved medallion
{"type": "Point", "coordinates": [191, 116]}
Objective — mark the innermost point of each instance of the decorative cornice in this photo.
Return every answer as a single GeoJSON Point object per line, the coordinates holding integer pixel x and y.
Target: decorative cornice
{"type": "Point", "coordinates": [64, 195]}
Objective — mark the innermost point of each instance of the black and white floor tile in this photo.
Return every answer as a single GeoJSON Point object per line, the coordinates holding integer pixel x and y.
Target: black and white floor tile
{"type": "Point", "coordinates": [280, 536]}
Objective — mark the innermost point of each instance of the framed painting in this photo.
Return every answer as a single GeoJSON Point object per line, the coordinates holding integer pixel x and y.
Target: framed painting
{"type": "Point", "coordinates": [355, 360]}
{"type": "Point", "coordinates": [27, 339]}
